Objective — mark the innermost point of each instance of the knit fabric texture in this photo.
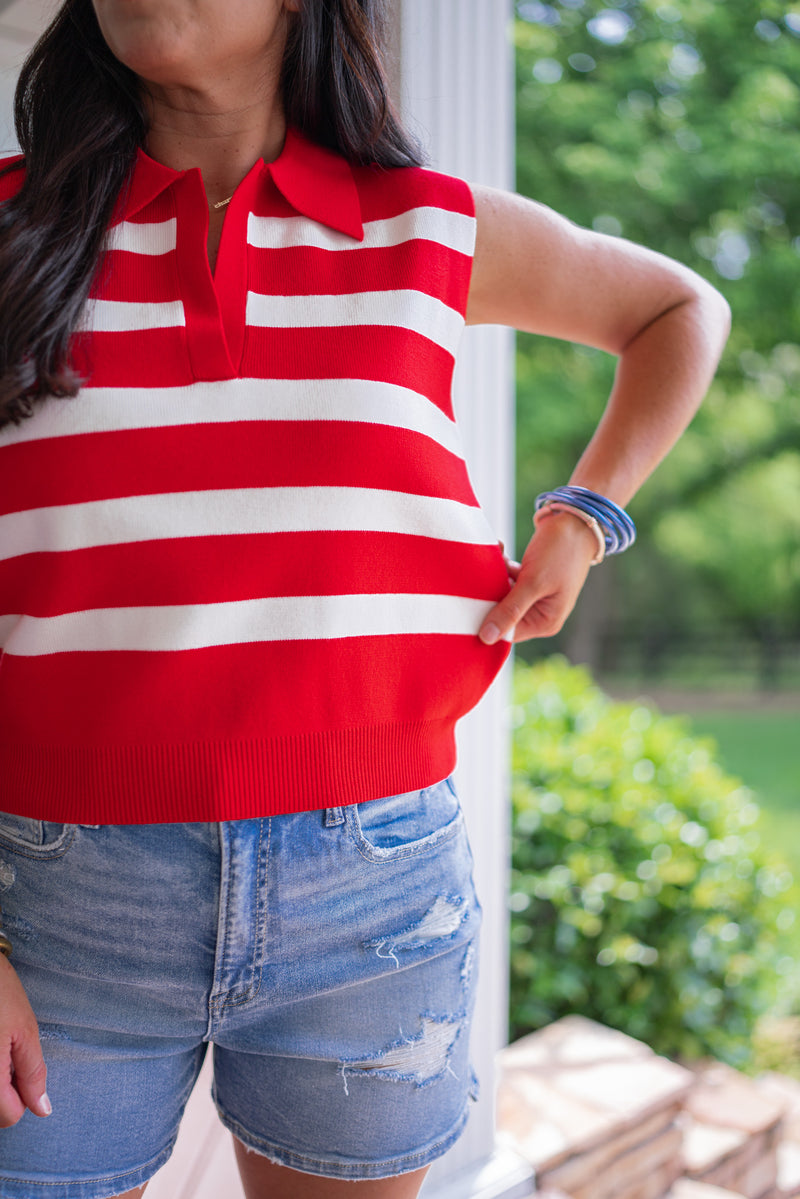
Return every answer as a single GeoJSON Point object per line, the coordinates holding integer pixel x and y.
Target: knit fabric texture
{"type": "Point", "coordinates": [243, 571]}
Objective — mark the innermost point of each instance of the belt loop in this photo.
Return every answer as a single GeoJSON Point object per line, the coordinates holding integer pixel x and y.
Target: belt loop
{"type": "Point", "coordinates": [334, 816]}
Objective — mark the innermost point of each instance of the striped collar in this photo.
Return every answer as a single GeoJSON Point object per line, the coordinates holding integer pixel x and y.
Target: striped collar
{"type": "Point", "coordinates": [316, 182]}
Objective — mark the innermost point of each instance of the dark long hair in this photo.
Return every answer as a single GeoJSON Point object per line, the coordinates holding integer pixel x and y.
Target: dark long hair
{"type": "Point", "coordinates": [79, 118]}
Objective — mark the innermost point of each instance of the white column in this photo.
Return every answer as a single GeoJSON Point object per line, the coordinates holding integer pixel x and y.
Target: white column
{"type": "Point", "coordinates": [455, 82]}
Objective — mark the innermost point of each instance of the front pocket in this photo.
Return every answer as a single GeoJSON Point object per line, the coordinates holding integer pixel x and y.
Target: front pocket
{"type": "Point", "coordinates": [34, 838]}
{"type": "Point", "coordinates": [402, 826]}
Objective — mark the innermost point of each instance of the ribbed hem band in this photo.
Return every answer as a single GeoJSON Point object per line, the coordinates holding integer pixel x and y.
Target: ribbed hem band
{"type": "Point", "coordinates": [229, 780]}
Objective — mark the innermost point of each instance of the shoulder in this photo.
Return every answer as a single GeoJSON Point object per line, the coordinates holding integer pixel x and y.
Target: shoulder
{"type": "Point", "coordinates": [386, 192]}
{"type": "Point", "coordinates": [12, 175]}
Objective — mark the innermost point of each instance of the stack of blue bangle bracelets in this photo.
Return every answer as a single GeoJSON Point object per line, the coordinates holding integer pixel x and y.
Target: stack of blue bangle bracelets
{"type": "Point", "coordinates": [616, 529]}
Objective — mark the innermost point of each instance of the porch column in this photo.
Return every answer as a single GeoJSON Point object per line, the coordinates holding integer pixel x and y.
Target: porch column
{"type": "Point", "coordinates": [454, 80]}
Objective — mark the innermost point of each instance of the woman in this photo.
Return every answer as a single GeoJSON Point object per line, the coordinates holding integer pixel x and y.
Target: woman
{"type": "Point", "coordinates": [241, 578]}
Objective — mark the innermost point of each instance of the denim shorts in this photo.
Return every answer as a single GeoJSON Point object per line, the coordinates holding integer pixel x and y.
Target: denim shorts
{"type": "Point", "coordinates": [329, 956]}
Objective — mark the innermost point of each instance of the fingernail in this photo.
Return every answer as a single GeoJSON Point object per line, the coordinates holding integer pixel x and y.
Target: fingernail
{"type": "Point", "coordinates": [44, 1105]}
{"type": "Point", "coordinates": [489, 634]}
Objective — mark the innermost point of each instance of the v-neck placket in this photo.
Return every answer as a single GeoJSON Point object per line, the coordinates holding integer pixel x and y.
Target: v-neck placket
{"type": "Point", "coordinates": [314, 181]}
{"type": "Point", "coordinates": [214, 304]}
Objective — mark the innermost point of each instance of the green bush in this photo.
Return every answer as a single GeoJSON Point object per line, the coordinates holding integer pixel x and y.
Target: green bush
{"type": "Point", "coordinates": [640, 896]}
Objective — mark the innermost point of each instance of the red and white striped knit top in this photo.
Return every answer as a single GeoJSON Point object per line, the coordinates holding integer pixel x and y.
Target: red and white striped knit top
{"type": "Point", "coordinates": [242, 572]}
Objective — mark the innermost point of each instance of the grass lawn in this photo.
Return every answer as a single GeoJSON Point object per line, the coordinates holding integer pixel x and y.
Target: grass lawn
{"type": "Point", "coordinates": [763, 749]}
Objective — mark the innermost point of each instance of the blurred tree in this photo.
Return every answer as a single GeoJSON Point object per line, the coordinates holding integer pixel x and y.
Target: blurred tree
{"type": "Point", "coordinates": [677, 124]}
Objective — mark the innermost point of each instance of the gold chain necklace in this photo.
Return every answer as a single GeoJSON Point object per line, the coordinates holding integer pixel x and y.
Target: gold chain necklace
{"type": "Point", "coordinates": [222, 203]}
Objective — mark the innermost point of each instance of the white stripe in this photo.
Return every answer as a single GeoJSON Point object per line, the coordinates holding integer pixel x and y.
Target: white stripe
{"type": "Point", "coordinates": [123, 316]}
{"type": "Point", "coordinates": [286, 618]}
{"type": "Point", "coordinates": [151, 238]}
{"type": "Point", "coordinates": [246, 510]}
{"type": "Point", "coordinates": [451, 229]}
{"type": "Point", "coordinates": [115, 409]}
{"type": "Point", "coordinates": [407, 309]}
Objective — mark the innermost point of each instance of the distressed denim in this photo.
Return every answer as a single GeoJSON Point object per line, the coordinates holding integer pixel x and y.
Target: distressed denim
{"type": "Point", "coordinates": [328, 956]}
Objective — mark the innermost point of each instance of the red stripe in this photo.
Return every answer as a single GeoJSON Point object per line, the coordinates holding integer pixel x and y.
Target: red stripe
{"type": "Point", "coordinates": [144, 358]}
{"type": "Point", "coordinates": [418, 265]}
{"type": "Point", "coordinates": [11, 183]}
{"type": "Point", "coordinates": [161, 208]}
{"type": "Point", "coordinates": [213, 457]}
{"type": "Point", "coordinates": [301, 270]}
{"type": "Point", "coordinates": [414, 188]}
{"type": "Point", "coordinates": [383, 353]}
{"type": "Point", "coordinates": [138, 278]}
{"type": "Point", "coordinates": [202, 570]}
{"type": "Point", "coordinates": [267, 200]}
{"type": "Point", "coordinates": [274, 689]}
{"type": "Point", "coordinates": [158, 358]}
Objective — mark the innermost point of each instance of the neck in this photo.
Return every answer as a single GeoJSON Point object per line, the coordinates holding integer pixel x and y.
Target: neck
{"type": "Point", "coordinates": [224, 139]}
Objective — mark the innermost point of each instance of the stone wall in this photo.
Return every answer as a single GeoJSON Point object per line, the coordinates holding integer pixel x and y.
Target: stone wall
{"type": "Point", "coordinates": [598, 1115]}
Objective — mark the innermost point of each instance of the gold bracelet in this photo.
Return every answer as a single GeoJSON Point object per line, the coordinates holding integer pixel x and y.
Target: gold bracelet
{"type": "Point", "coordinates": [589, 521]}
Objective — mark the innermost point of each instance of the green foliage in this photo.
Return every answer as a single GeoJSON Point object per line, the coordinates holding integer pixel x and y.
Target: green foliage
{"type": "Point", "coordinates": [676, 123]}
{"type": "Point", "coordinates": [640, 894]}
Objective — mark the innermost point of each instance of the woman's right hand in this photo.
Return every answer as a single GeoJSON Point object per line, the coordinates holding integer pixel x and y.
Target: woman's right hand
{"type": "Point", "coordinates": [23, 1073]}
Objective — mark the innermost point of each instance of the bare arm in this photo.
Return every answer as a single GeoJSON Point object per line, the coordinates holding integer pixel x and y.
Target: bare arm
{"type": "Point", "coordinates": [537, 272]}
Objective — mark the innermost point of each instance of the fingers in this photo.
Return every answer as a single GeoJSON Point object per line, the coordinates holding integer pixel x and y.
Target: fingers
{"type": "Point", "coordinates": [23, 1074]}
{"type": "Point", "coordinates": [11, 1106]}
{"type": "Point", "coordinates": [500, 622]}
{"type": "Point", "coordinates": [524, 613]}
{"type": "Point", "coordinates": [24, 1082]}
{"type": "Point", "coordinates": [513, 568]}
{"type": "Point", "coordinates": [30, 1075]}
{"type": "Point", "coordinates": [545, 585]}
{"type": "Point", "coordinates": [27, 1086]}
